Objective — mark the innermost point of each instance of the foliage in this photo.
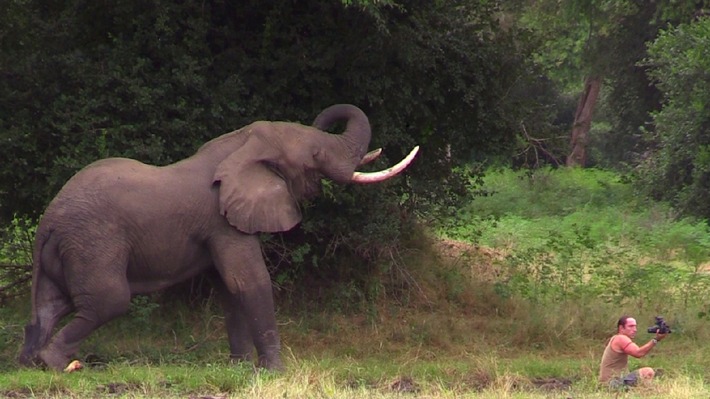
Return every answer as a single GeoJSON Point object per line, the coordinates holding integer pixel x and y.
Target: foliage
{"type": "Point", "coordinates": [548, 192]}
{"type": "Point", "coordinates": [142, 309]}
{"type": "Point", "coordinates": [630, 95]}
{"type": "Point", "coordinates": [678, 170]}
{"type": "Point", "coordinates": [156, 86]}
{"type": "Point", "coordinates": [575, 39]}
{"type": "Point", "coordinates": [16, 258]}
{"type": "Point", "coordinates": [572, 233]}
{"type": "Point", "coordinates": [153, 80]}
{"type": "Point", "coordinates": [575, 34]}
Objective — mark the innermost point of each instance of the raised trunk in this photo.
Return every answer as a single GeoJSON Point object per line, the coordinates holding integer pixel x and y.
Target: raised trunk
{"type": "Point", "coordinates": [583, 121]}
{"type": "Point", "coordinates": [356, 139]}
{"type": "Point", "coordinates": [357, 130]}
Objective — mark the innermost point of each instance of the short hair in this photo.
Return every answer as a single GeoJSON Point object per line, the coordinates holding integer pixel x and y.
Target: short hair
{"type": "Point", "coordinates": [622, 321]}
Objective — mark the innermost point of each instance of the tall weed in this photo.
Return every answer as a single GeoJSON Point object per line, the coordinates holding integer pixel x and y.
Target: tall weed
{"type": "Point", "coordinates": [582, 233]}
{"type": "Point", "coordinates": [549, 192]}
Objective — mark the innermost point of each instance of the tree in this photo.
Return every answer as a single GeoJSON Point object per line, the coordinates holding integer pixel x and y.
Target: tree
{"type": "Point", "coordinates": [583, 121]}
{"type": "Point", "coordinates": [678, 167]}
{"type": "Point", "coordinates": [600, 43]}
{"type": "Point", "coordinates": [576, 35]}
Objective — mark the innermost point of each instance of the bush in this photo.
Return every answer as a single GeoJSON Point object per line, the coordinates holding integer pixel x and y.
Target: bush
{"type": "Point", "coordinates": [678, 169]}
{"type": "Point", "coordinates": [576, 233]}
{"type": "Point", "coordinates": [16, 258]}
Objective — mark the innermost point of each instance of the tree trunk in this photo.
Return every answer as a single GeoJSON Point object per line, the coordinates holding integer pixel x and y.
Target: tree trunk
{"type": "Point", "coordinates": [583, 121]}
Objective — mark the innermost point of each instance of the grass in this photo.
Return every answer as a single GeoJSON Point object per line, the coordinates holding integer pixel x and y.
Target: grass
{"type": "Point", "coordinates": [482, 376]}
{"type": "Point", "coordinates": [436, 353]}
{"type": "Point", "coordinates": [511, 303]}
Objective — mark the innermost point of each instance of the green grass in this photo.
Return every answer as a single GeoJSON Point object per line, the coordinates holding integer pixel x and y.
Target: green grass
{"type": "Point", "coordinates": [517, 301]}
{"type": "Point", "coordinates": [467, 375]}
{"type": "Point", "coordinates": [438, 353]}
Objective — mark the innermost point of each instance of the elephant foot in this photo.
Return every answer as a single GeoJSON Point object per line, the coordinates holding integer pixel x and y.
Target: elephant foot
{"type": "Point", "coordinates": [239, 359]}
{"type": "Point", "coordinates": [271, 363]}
{"type": "Point", "coordinates": [28, 356]}
{"type": "Point", "coordinates": [53, 359]}
{"type": "Point", "coordinates": [29, 360]}
{"type": "Point", "coordinates": [74, 366]}
{"type": "Point", "coordinates": [269, 351]}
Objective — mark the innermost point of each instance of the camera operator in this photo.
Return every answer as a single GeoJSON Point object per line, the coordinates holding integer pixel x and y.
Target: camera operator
{"type": "Point", "coordinates": [613, 369]}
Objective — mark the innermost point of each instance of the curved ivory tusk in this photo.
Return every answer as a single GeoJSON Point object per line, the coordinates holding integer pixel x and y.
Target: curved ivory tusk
{"type": "Point", "coordinates": [371, 156]}
{"type": "Point", "coordinates": [374, 177]}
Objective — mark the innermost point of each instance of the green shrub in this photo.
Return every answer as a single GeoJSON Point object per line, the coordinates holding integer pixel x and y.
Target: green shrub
{"type": "Point", "coordinates": [580, 233]}
{"type": "Point", "coordinates": [16, 257]}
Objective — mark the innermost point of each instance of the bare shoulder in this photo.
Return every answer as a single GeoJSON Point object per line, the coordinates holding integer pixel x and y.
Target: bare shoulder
{"type": "Point", "coordinates": [620, 342]}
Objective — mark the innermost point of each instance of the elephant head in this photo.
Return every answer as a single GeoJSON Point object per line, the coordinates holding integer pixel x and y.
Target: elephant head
{"type": "Point", "coordinates": [279, 163]}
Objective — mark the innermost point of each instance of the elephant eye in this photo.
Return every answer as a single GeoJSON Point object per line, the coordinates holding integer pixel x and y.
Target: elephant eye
{"type": "Point", "coordinates": [318, 154]}
{"type": "Point", "coordinates": [275, 168]}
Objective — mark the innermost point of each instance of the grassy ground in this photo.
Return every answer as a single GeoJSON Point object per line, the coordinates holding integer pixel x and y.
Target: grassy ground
{"type": "Point", "coordinates": [444, 351]}
{"type": "Point", "coordinates": [508, 305]}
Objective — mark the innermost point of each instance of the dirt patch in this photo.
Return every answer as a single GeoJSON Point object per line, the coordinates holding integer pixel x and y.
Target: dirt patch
{"type": "Point", "coordinates": [117, 388]}
{"type": "Point", "coordinates": [479, 380]}
{"type": "Point", "coordinates": [23, 393]}
{"type": "Point", "coordinates": [484, 263]}
{"type": "Point", "coordinates": [404, 384]}
{"type": "Point", "coordinates": [552, 384]}
{"type": "Point", "coordinates": [16, 394]}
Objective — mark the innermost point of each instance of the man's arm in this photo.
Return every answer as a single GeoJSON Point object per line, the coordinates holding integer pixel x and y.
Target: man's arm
{"type": "Point", "coordinates": [639, 351]}
{"type": "Point", "coordinates": [626, 345]}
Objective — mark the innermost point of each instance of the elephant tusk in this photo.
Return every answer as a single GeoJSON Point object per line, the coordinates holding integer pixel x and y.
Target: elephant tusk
{"type": "Point", "coordinates": [371, 156]}
{"type": "Point", "coordinates": [374, 177]}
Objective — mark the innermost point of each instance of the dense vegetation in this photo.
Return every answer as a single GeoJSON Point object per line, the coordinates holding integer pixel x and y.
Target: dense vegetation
{"type": "Point", "coordinates": [482, 86]}
{"type": "Point", "coordinates": [154, 80]}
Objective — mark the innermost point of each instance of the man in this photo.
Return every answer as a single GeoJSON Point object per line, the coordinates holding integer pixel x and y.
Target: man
{"type": "Point", "coordinates": [614, 366]}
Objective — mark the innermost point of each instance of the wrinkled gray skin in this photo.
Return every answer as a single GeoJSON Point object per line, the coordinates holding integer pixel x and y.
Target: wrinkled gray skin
{"type": "Point", "coordinates": [120, 228]}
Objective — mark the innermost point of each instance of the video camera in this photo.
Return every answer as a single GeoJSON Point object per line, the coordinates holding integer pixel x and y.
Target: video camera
{"type": "Point", "coordinates": [660, 327]}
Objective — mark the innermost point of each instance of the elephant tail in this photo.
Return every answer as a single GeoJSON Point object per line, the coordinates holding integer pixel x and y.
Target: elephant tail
{"type": "Point", "coordinates": [34, 335]}
{"type": "Point", "coordinates": [42, 236]}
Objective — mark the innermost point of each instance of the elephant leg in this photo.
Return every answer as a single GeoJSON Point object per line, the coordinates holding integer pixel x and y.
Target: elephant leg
{"type": "Point", "coordinates": [241, 346]}
{"type": "Point", "coordinates": [93, 310]}
{"type": "Point", "coordinates": [50, 305]}
{"type": "Point", "coordinates": [241, 266]}
{"type": "Point", "coordinates": [99, 293]}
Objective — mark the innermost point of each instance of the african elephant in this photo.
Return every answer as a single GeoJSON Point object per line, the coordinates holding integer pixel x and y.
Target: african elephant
{"type": "Point", "coordinates": [120, 228]}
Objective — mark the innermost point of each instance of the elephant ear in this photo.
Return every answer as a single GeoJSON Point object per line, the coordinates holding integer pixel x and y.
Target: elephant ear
{"type": "Point", "coordinates": [253, 196]}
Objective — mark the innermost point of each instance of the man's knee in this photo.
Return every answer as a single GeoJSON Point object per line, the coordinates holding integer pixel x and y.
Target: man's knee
{"type": "Point", "coordinates": [646, 373]}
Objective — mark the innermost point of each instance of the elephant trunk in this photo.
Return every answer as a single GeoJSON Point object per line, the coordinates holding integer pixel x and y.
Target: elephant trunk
{"type": "Point", "coordinates": [356, 139]}
{"type": "Point", "coordinates": [357, 130]}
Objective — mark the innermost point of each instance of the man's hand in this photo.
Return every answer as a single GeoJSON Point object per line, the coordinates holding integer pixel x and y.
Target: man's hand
{"type": "Point", "coordinates": [660, 337]}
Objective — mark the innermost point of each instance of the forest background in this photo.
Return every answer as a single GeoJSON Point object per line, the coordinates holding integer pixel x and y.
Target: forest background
{"type": "Point", "coordinates": [484, 87]}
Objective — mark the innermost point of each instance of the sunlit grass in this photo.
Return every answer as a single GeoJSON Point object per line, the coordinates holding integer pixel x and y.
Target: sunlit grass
{"type": "Point", "coordinates": [488, 377]}
{"type": "Point", "coordinates": [525, 208]}
{"type": "Point", "coordinates": [502, 356]}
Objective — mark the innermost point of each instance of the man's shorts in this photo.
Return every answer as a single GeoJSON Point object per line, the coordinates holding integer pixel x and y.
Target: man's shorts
{"type": "Point", "coordinates": [629, 380]}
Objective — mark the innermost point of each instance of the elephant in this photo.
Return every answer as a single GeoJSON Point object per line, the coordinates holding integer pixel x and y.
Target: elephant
{"type": "Point", "coordinates": [120, 228]}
